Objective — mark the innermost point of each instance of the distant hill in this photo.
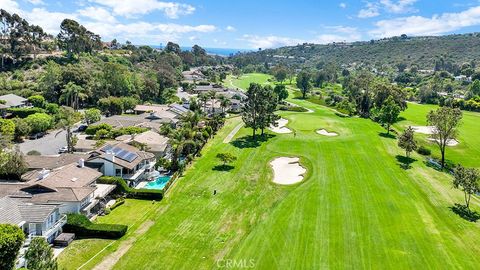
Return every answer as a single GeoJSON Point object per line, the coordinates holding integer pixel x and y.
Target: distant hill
{"type": "Point", "coordinates": [422, 51]}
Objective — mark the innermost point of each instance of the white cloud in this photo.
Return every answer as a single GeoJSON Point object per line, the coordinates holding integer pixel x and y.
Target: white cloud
{"type": "Point", "coordinates": [230, 28]}
{"type": "Point", "coordinates": [270, 41]}
{"type": "Point", "coordinates": [131, 8]}
{"type": "Point", "coordinates": [369, 11]}
{"type": "Point", "coordinates": [338, 34]}
{"type": "Point", "coordinates": [97, 14]}
{"type": "Point", "coordinates": [10, 6]}
{"type": "Point", "coordinates": [36, 2]}
{"type": "Point", "coordinates": [400, 6]}
{"type": "Point", "coordinates": [435, 25]}
{"type": "Point", "coordinates": [342, 5]}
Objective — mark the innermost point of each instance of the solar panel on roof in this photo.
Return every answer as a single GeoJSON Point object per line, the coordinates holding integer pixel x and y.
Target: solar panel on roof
{"type": "Point", "coordinates": [106, 148]}
{"type": "Point", "coordinates": [121, 154]}
{"type": "Point", "coordinates": [131, 157]}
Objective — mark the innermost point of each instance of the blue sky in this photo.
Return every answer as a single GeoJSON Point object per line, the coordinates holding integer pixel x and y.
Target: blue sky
{"type": "Point", "coordinates": [247, 24]}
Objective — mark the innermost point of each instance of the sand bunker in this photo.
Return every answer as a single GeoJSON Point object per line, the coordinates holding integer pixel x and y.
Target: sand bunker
{"type": "Point", "coordinates": [287, 171]}
{"type": "Point", "coordinates": [281, 128]}
{"type": "Point", "coordinates": [450, 142]}
{"type": "Point", "coordinates": [326, 133]}
{"type": "Point", "coordinates": [424, 129]}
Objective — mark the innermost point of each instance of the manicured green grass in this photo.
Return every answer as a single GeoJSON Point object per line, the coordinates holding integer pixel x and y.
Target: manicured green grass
{"type": "Point", "coordinates": [356, 208]}
{"type": "Point", "coordinates": [131, 213]}
{"type": "Point", "coordinates": [244, 81]}
{"type": "Point", "coordinates": [467, 152]}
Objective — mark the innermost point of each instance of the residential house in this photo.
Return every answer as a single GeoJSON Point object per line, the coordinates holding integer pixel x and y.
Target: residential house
{"type": "Point", "coordinates": [123, 160]}
{"type": "Point", "coordinates": [51, 162]}
{"type": "Point", "coordinates": [148, 116]}
{"type": "Point", "coordinates": [152, 141]}
{"type": "Point", "coordinates": [73, 187]}
{"type": "Point", "coordinates": [14, 101]}
{"type": "Point", "coordinates": [35, 219]}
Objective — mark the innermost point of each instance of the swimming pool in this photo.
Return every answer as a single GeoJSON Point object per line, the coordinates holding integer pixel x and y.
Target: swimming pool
{"type": "Point", "coordinates": [158, 183]}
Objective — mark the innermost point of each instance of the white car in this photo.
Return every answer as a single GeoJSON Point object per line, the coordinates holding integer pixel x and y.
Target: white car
{"type": "Point", "coordinates": [62, 150]}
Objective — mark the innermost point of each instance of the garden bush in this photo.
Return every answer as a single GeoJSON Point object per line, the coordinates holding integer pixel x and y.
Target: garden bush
{"type": "Point", "coordinates": [422, 150]}
{"type": "Point", "coordinates": [117, 203]}
{"type": "Point", "coordinates": [84, 228]}
{"type": "Point", "coordinates": [24, 112]}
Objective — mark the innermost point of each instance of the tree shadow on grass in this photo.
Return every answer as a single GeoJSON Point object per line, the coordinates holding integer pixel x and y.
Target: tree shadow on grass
{"type": "Point", "coordinates": [223, 168]}
{"type": "Point", "coordinates": [250, 142]}
{"type": "Point", "coordinates": [465, 213]}
{"type": "Point", "coordinates": [405, 162]}
{"type": "Point", "coordinates": [387, 135]}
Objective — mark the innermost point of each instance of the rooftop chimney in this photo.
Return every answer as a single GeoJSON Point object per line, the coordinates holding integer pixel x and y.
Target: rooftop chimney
{"type": "Point", "coordinates": [81, 163]}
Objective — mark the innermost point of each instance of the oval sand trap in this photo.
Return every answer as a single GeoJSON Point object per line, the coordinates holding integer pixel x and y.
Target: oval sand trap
{"type": "Point", "coordinates": [326, 133]}
{"type": "Point", "coordinates": [281, 127]}
{"type": "Point", "coordinates": [424, 129]}
{"type": "Point", "coordinates": [450, 142]}
{"type": "Point", "coordinates": [287, 170]}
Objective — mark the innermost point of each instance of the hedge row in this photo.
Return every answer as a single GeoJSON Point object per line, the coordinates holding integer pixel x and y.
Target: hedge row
{"type": "Point", "coordinates": [84, 228]}
{"type": "Point", "coordinates": [143, 193]}
{"type": "Point", "coordinates": [24, 112]}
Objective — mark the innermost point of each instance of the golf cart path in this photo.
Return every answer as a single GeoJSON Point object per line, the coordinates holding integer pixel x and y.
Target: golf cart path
{"type": "Point", "coordinates": [110, 261]}
{"type": "Point", "coordinates": [232, 133]}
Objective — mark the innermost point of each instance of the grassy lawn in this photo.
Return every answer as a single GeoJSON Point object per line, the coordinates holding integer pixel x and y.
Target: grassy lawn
{"type": "Point", "coordinates": [131, 213]}
{"type": "Point", "coordinates": [244, 81]}
{"type": "Point", "coordinates": [356, 208]}
{"type": "Point", "coordinates": [467, 152]}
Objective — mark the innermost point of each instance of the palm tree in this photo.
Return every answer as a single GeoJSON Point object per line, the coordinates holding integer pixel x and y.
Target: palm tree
{"type": "Point", "coordinates": [224, 103]}
{"type": "Point", "coordinates": [203, 98]}
{"type": "Point", "coordinates": [67, 119]}
{"type": "Point", "coordinates": [72, 94]}
{"type": "Point", "coordinates": [213, 95]}
{"type": "Point", "coordinates": [191, 117]}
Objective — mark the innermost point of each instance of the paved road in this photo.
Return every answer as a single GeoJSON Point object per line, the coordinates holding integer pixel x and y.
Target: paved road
{"type": "Point", "coordinates": [48, 145]}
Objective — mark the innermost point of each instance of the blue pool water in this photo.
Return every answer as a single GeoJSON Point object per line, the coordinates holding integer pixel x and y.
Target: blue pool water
{"type": "Point", "coordinates": [158, 183]}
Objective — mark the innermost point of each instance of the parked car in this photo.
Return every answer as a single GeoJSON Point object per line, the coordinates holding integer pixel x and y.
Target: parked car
{"type": "Point", "coordinates": [37, 135]}
{"type": "Point", "coordinates": [82, 128]}
{"type": "Point", "coordinates": [62, 150]}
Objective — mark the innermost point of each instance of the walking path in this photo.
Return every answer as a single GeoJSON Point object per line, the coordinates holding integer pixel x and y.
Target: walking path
{"type": "Point", "coordinates": [232, 134]}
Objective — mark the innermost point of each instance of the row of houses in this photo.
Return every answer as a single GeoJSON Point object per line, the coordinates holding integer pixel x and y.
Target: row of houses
{"type": "Point", "coordinates": [67, 183]}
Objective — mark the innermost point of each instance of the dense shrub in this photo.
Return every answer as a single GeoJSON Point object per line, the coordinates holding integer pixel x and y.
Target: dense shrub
{"type": "Point", "coordinates": [11, 240]}
{"type": "Point", "coordinates": [117, 203]}
{"type": "Point", "coordinates": [24, 112]}
{"type": "Point", "coordinates": [84, 228]}
{"type": "Point", "coordinates": [143, 193]}
{"type": "Point", "coordinates": [422, 150]}
{"type": "Point", "coordinates": [92, 129]}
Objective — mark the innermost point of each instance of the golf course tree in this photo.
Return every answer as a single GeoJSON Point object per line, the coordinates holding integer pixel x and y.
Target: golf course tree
{"type": "Point", "coordinates": [388, 113]}
{"type": "Point", "coordinates": [268, 105]}
{"type": "Point", "coordinates": [39, 255]}
{"type": "Point", "coordinates": [11, 240]}
{"type": "Point", "coordinates": [280, 73]}
{"type": "Point", "coordinates": [445, 121]}
{"type": "Point", "coordinates": [466, 179]}
{"type": "Point", "coordinates": [304, 82]}
{"type": "Point", "coordinates": [226, 158]}
{"type": "Point", "coordinates": [407, 141]}
{"type": "Point", "coordinates": [259, 107]}
{"type": "Point", "coordinates": [281, 92]}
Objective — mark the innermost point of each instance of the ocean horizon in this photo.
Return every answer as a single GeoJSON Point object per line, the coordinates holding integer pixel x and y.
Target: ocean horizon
{"type": "Point", "coordinates": [211, 51]}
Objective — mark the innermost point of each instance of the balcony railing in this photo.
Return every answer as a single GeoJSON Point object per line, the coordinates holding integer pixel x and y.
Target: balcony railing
{"type": "Point", "coordinates": [55, 227]}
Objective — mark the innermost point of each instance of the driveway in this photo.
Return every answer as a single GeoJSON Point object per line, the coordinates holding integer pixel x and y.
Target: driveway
{"type": "Point", "coordinates": [48, 145]}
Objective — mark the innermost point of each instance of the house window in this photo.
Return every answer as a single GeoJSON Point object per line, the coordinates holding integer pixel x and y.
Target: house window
{"type": "Point", "coordinates": [118, 172]}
